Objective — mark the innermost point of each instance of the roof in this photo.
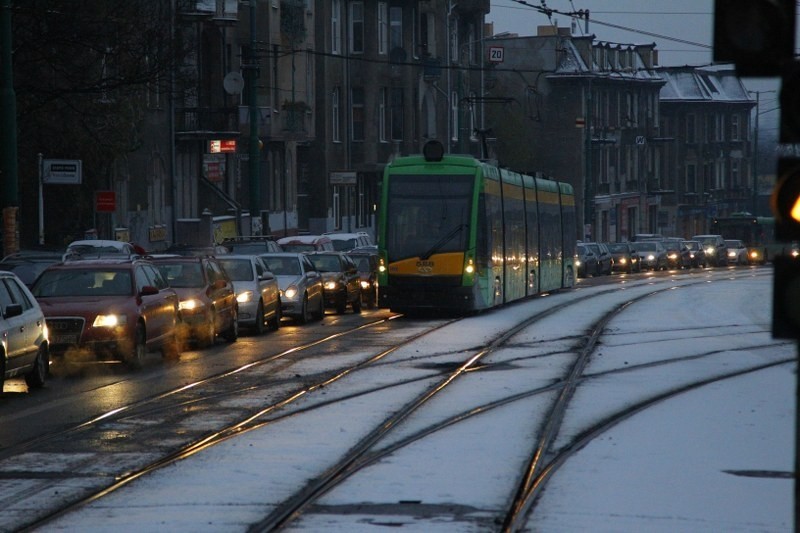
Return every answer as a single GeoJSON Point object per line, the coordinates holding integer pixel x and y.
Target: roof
{"type": "Point", "coordinates": [703, 84]}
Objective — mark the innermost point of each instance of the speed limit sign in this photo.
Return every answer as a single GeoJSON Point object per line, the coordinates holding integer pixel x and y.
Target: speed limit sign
{"type": "Point", "coordinates": [496, 54]}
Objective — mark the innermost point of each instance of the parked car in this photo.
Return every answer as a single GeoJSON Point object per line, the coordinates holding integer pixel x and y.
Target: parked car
{"type": "Point", "coordinates": [257, 291]}
{"type": "Point", "coordinates": [678, 255]}
{"type": "Point", "coordinates": [605, 261]}
{"type": "Point", "coordinates": [697, 255]}
{"type": "Point", "coordinates": [118, 308]}
{"type": "Point", "coordinates": [341, 282]}
{"type": "Point", "coordinates": [252, 245]}
{"type": "Point", "coordinates": [300, 285]}
{"type": "Point", "coordinates": [586, 261]}
{"type": "Point", "coordinates": [28, 264]}
{"type": "Point", "coordinates": [344, 242]}
{"type": "Point", "coordinates": [625, 257]}
{"type": "Point", "coordinates": [306, 243]}
{"type": "Point", "coordinates": [715, 248]}
{"type": "Point", "coordinates": [25, 348]}
{"type": "Point", "coordinates": [652, 254]}
{"type": "Point", "coordinates": [208, 304]}
{"type": "Point", "coordinates": [736, 252]}
{"type": "Point", "coordinates": [367, 265]}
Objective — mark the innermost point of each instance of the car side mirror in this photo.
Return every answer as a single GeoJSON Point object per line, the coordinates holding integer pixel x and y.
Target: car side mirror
{"type": "Point", "coordinates": [312, 274]}
{"type": "Point", "coordinates": [220, 284]}
{"type": "Point", "coordinates": [12, 310]}
{"type": "Point", "coordinates": [148, 290]}
{"type": "Point", "coordinates": [266, 276]}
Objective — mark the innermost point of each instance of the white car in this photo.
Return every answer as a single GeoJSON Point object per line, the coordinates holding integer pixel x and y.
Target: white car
{"type": "Point", "coordinates": [25, 345]}
{"type": "Point", "coordinates": [256, 289]}
{"type": "Point", "coordinates": [736, 252]}
{"type": "Point", "coordinates": [300, 284]}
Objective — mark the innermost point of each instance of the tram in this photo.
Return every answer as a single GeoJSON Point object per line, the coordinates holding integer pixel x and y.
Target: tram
{"type": "Point", "coordinates": [458, 234]}
{"type": "Point", "coordinates": [756, 232]}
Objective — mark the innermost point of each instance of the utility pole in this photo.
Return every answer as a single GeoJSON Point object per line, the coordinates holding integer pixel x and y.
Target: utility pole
{"type": "Point", "coordinates": [252, 71]}
{"type": "Point", "coordinates": [9, 196]}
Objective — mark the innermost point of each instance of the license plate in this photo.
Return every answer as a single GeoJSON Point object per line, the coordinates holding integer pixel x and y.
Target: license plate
{"type": "Point", "coordinates": [64, 339]}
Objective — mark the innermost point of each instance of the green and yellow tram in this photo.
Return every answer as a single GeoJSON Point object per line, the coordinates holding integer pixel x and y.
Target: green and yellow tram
{"type": "Point", "coordinates": [457, 234]}
{"type": "Point", "coordinates": [757, 233]}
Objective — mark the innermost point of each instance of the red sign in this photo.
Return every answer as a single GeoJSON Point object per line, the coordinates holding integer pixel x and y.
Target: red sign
{"type": "Point", "coordinates": [105, 201]}
{"type": "Point", "coordinates": [221, 146]}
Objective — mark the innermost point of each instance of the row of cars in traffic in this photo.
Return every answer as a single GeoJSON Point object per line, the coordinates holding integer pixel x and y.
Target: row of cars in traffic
{"type": "Point", "coordinates": [111, 300]}
{"type": "Point", "coordinates": [655, 252]}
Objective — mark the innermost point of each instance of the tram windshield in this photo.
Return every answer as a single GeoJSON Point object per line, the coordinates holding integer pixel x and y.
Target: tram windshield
{"type": "Point", "coordinates": [427, 215]}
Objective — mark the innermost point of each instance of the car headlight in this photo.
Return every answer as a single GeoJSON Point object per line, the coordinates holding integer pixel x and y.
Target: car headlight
{"type": "Point", "coordinates": [578, 262]}
{"type": "Point", "coordinates": [673, 256]}
{"type": "Point", "coordinates": [710, 251]}
{"type": "Point", "coordinates": [244, 297]}
{"type": "Point", "coordinates": [691, 255]}
{"type": "Point", "coordinates": [651, 257]}
{"type": "Point", "coordinates": [109, 321]}
{"type": "Point", "coordinates": [331, 285]}
{"type": "Point", "coordinates": [622, 260]}
{"type": "Point", "coordinates": [290, 292]}
{"type": "Point", "coordinates": [365, 284]}
{"type": "Point", "coordinates": [731, 254]}
{"type": "Point", "coordinates": [190, 305]}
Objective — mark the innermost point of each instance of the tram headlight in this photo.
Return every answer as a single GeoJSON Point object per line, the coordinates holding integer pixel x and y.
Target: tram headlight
{"type": "Point", "coordinates": [470, 267]}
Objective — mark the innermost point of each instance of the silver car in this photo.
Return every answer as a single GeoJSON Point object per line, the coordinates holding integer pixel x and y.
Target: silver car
{"type": "Point", "coordinates": [22, 326]}
{"type": "Point", "coordinates": [300, 284]}
{"type": "Point", "coordinates": [256, 291]}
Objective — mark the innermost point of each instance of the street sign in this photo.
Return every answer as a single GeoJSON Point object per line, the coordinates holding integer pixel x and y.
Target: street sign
{"type": "Point", "coordinates": [105, 201]}
{"type": "Point", "coordinates": [342, 178]}
{"type": "Point", "coordinates": [222, 146]}
{"type": "Point", "coordinates": [496, 54]}
{"type": "Point", "coordinates": [62, 171]}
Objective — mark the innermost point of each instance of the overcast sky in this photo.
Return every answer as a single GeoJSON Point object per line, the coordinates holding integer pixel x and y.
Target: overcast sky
{"type": "Point", "coordinates": [682, 30]}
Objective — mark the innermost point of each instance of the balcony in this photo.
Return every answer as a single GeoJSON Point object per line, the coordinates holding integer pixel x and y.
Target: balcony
{"type": "Point", "coordinates": [202, 120]}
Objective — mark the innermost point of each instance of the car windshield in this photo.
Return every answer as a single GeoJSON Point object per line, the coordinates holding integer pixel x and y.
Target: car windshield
{"type": "Point", "coordinates": [182, 275]}
{"type": "Point", "coordinates": [342, 245]}
{"type": "Point", "coordinates": [298, 247]}
{"type": "Point", "coordinates": [617, 248]}
{"type": "Point", "coordinates": [54, 283]}
{"type": "Point", "coordinates": [645, 246]}
{"type": "Point", "coordinates": [362, 264]}
{"type": "Point", "coordinates": [692, 245]}
{"type": "Point", "coordinates": [238, 269]}
{"type": "Point", "coordinates": [326, 263]}
{"type": "Point", "coordinates": [594, 248]}
{"type": "Point", "coordinates": [733, 244]}
{"type": "Point", "coordinates": [283, 266]}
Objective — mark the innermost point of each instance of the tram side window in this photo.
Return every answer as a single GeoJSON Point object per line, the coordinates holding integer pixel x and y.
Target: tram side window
{"type": "Point", "coordinates": [482, 245]}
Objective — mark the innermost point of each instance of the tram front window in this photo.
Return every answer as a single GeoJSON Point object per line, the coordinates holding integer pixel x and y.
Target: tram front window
{"type": "Point", "coordinates": [428, 215]}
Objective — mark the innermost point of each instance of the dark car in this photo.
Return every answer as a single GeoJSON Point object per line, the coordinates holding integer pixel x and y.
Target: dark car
{"type": "Point", "coordinates": [586, 261]}
{"type": "Point", "coordinates": [367, 265]}
{"type": "Point", "coordinates": [300, 285]}
{"type": "Point", "coordinates": [22, 327]}
{"type": "Point", "coordinates": [715, 248]}
{"type": "Point", "coordinates": [109, 308]}
{"type": "Point", "coordinates": [207, 300]}
{"type": "Point", "coordinates": [678, 255]}
{"type": "Point", "coordinates": [341, 283]}
{"type": "Point", "coordinates": [652, 254]}
{"type": "Point", "coordinates": [625, 257]}
{"type": "Point", "coordinates": [28, 264]}
{"type": "Point", "coordinates": [252, 245]}
{"type": "Point", "coordinates": [697, 255]}
{"type": "Point", "coordinates": [605, 261]}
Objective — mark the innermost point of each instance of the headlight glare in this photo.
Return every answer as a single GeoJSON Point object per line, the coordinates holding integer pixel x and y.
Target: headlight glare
{"type": "Point", "coordinates": [109, 321]}
{"type": "Point", "coordinates": [290, 292]}
{"type": "Point", "coordinates": [244, 297]}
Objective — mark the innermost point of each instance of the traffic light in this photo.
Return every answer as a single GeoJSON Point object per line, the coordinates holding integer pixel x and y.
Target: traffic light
{"type": "Point", "coordinates": [786, 200]}
{"type": "Point", "coordinates": [756, 35]}
{"type": "Point", "coordinates": [786, 298]}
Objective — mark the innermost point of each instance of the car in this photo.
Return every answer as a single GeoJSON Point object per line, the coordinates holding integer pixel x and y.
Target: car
{"type": "Point", "coordinates": [652, 254]}
{"type": "Point", "coordinates": [367, 265]}
{"type": "Point", "coordinates": [198, 251]}
{"type": "Point", "coordinates": [605, 261]}
{"type": "Point", "coordinates": [736, 252]}
{"type": "Point", "coordinates": [586, 261]}
{"type": "Point", "coordinates": [697, 255]}
{"type": "Point", "coordinates": [715, 248]}
{"type": "Point", "coordinates": [625, 257]}
{"type": "Point", "coordinates": [647, 237]}
{"type": "Point", "coordinates": [257, 291]}
{"type": "Point", "coordinates": [108, 308]}
{"type": "Point", "coordinates": [252, 245]}
{"type": "Point", "coordinates": [25, 348]}
{"type": "Point", "coordinates": [300, 285]}
{"type": "Point", "coordinates": [208, 304]}
{"type": "Point", "coordinates": [678, 255]}
{"type": "Point", "coordinates": [344, 242]}
{"type": "Point", "coordinates": [28, 264]}
{"type": "Point", "coordinates": [306, 243]}
{"type": "Point", "coordinates": [98, 248]}
{"type": "Point", "coordinates": [341, 282]}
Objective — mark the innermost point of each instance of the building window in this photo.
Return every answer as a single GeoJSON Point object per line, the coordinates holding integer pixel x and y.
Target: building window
{"type": "Point", "coordinates": [356, 27]}
{"type": "Point", "coordinates": [382, 114]}
{"type": "Point", "coordinates": [336, 27]}
{"type": "Point", "coordinates": [691, 129]}
{"type": "Point", "coordinates": [357, 113]}
{"type": "Point", "coordinates": [691, 178]}
{"type": "Point", "coordinates": [383, 30]}
{"type": "Point", "coordinates": [335, 110]}
{"type": "Point", "coordinates": [414, 35]}
{"type": "Point", "coordinates": [735, 128]}
{"type": "Point", "coordinates": [398, 111]}
{"type": "Point", "coordinates": [454, 116]}
{"type": "Point", "coordinates": [736, 176]}
{"type": "Point", "coordinates": [395, 28]}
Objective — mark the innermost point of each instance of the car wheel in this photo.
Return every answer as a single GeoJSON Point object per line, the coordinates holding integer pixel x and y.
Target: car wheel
{"type": "Point", "coordinates": [136, 356]}
{"type": "Point", "coordinates": [357, 304]}
{"type": "Point", "coordinates": [275, 323]}
{"type": "Point", "coordinates": [232, 333]}
{"type": "Point", "coordinates": [41, 366]}
{"type": "Point", "coordinates": [303, 317]}
{"type": "Point", "coordinates": [320, 314]}
{"type": "Point", "coordinates": [258, 326]}
{"type": "Point", "coordinates": [341, 305]}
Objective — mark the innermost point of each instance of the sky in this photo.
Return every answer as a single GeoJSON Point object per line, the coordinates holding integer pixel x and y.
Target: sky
{"type": "Point", "coordinates": [682, 30]}
{"type": "Point", "coordinates": [715, 458]}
